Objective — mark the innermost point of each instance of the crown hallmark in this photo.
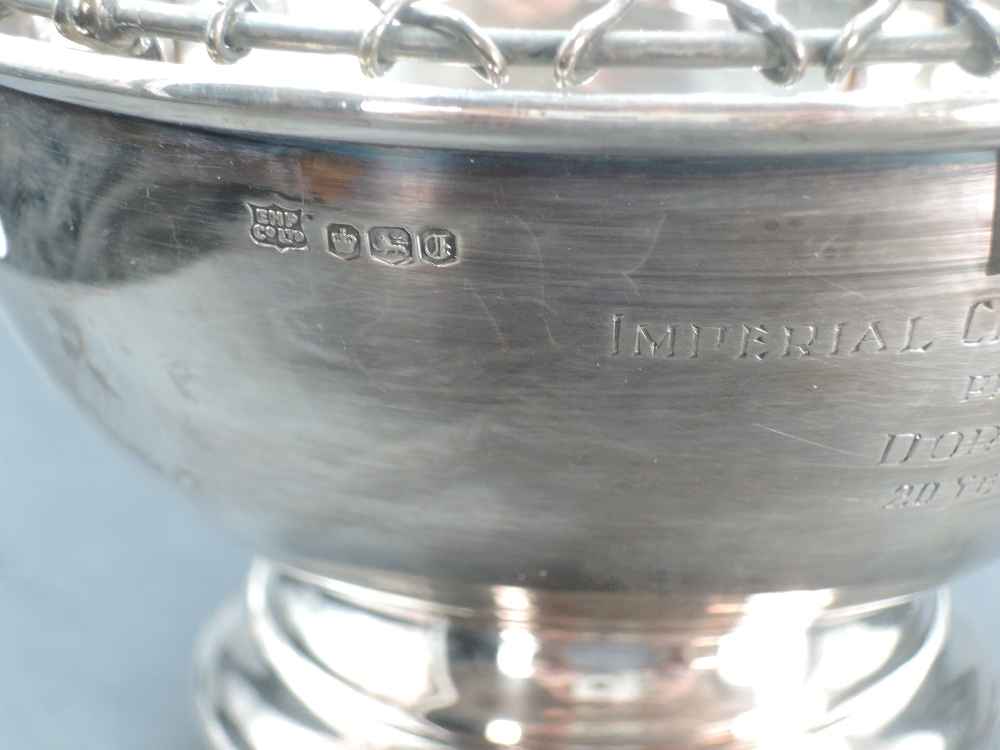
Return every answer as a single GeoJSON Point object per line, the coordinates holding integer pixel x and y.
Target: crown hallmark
{"type": "Point", "coordinates": [343, 241]}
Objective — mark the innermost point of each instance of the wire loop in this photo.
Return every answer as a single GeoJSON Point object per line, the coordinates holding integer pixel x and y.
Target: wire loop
{"type": "Point", "coordinates": [970, 37]}
{"type": "Point", "coordinates": [780, 35]}
{"type": "Point", "coordinates": [368, 52]}
{"type": "Point", "coordinates": [217, 33]}
{"type": "Point", "coordinates": [92, 23]}
{"type": "Point", "coordinates": [570, 65]}
{"type": "Point", "coordinates": [850, 45]}
{"type": "Point", "coordinates": [492, 66]}
{"type": "Point", "coordinates": [581, 40]}
{"type": "Point", "coordinates": [984, 61]}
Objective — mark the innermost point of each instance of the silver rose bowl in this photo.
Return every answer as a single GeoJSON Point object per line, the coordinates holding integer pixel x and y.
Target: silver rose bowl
{"type": "Point", "coordinates": [561, 420]}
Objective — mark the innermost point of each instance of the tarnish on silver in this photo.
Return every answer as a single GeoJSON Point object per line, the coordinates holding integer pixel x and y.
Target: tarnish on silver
{"type": "Point", "coordinates": [93, 23]}
{"type": "Point", "coordinates": [492, 66]}
{"type": "Point", "coordinates": [217, 33]}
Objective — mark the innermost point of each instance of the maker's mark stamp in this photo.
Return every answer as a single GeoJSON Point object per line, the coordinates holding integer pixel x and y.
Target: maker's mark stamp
{"type": "Point", "coordinates": [343, 241]}
{"type": "Point", "coordinates": [276, 227]}
{"type": "Point", "coordinates": [391, 245]}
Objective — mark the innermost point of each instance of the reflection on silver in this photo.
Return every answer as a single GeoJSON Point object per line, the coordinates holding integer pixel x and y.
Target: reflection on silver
{"type": "Point", "coordinates": [516, 652]}
{"type": "Point", "coordinates": [579, 439]}
{"type": "Point", "coordinates": [503, 732]}
{"type": "Point", "coordinates": [782, 672]}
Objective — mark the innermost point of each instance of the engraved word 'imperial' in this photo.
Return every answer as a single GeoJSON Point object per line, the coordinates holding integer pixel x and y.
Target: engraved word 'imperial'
{"type": "Point", "coordinates": [277, 227]}
{"type": "Point", "coordinates": [768, 341]}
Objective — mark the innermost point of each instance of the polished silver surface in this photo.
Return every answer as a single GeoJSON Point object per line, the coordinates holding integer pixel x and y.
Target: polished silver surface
{"type": "Point", "coordinates": [459, 39]}
{"type": "Point", "coordinates": [737, 376]}
{"type": "Point", "coordinates": [562, 418]}
{"type": "Point", "coordinates": [312, 663]}
{"type": "Point", "coordinates": [670, 91]}
{"type": "Point", "coordinates": [435, 376]}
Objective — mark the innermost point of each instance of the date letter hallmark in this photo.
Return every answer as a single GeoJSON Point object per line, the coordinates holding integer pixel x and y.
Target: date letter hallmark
{"type": "Point", "coordinates": [277, 228]}
{"type": "Point", "coordinates": [438, 247]}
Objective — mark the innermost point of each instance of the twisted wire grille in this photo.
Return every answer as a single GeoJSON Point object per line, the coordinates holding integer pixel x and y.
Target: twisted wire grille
{"type": "Point", "coordinates": [408, 30]}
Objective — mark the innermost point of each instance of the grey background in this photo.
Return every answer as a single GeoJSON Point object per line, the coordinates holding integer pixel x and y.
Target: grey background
{"type": "Point", "coordinates": [106, 577]}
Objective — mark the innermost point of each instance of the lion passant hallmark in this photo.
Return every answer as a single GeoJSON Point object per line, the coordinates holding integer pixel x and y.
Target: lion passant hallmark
{"type": "Point", "coordinates": [276, 227]}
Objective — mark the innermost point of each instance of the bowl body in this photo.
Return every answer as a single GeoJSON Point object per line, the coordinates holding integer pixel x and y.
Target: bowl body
{"type": "Point", "coordinates": [715, 375]}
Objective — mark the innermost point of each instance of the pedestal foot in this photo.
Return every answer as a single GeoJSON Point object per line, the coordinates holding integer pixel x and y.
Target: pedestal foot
{"type": "Point", "coordinates": [315, 664]}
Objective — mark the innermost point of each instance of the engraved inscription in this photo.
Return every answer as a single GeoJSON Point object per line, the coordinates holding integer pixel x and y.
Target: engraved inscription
{"type": "Point", "coordinates": [642, 334]}
{"type": "Point", "coordinates": [764, 341]}
{"type": "Point", "coordinates": [910, 448]}
{"type": "Point", "coordinates": [438, 247]}
{"type": "Point", "coordinates": [391, 245]}
{"type": "Point", "coordinates": [757, 336]}
{"type": "Point", "coordinates": [278, 228]}
{"type": "Point", "coordinates": [801, 348]}
{"type": "Point", "coordinates": [343, 241]}
{"type": "Point", "coordinates": [982, 324]}
{"type": "Point", "coordinates": [977, 486]}
{"type": "Point", "coordinates": [908, 344]}
{"type": "Point", "coordinates": [913, 495]}
{"type": "Point", "coordinates": [981, 388]}
{"type": "Point", "coordinates": [966, 487]}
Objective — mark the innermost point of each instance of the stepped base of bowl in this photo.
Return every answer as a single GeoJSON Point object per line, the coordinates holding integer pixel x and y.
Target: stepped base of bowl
{"type": "Point", "coordinates": [314, 663]}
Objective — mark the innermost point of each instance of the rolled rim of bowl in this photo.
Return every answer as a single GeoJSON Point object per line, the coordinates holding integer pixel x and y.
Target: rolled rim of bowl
{"type": "Point", "coordinates": [273, 104]}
